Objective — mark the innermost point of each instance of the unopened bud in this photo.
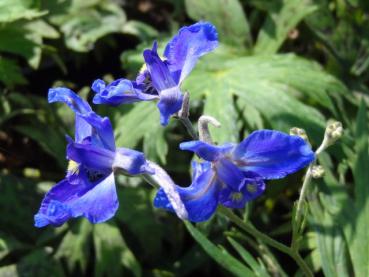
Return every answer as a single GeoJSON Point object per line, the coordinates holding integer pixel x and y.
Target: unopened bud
{"type": "Point", "coordinates": [203, 125]}
{"type": "Point", "coordinates": [299, 132]}
{"type": "Point", "coordinates": [333, 132]}
{"type": "Point", "coordinates": [317, 171]}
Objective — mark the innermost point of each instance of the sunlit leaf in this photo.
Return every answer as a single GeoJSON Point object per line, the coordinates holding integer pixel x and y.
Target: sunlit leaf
{"type": "Point", "coordinates": [219, 104]}
{"type": "Point", "coordinates": [135, 124]}
{"type": "Point", "coordinates": [11, 10]}
{"type": "Point", "coordinates": [140, 29]}
{"type": "Point", "coordinates": [227, 15]}
{"type": "Point", "coordinates": [83, 27]}
{"type": "Point", "coordinates": [273, 85]}
{"type": "Point", "coordinates": [155, 145]}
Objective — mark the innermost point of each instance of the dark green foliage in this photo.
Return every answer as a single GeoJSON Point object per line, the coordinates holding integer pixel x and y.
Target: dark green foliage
{"type": "Point", "coordinates": [280, 64]}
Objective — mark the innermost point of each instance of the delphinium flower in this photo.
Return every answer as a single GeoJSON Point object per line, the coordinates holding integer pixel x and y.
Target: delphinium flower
{"type": "Point", "coordinates": [161, 79]}
{"type": "Point", "coordinates": [89, 188]}
{"type": "Point", "coordinates": [233, 174]}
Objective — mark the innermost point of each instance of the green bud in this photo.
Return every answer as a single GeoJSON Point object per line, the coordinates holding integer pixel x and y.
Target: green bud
{"type": "Point", "coordinates": [333, 132]}
{"type": "Point", "coordinates": [299, 132]}
{"type": "Point", "coordinates": [317, 171]}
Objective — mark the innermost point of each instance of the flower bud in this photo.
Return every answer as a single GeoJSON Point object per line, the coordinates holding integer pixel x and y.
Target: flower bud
{"type": "Point", "coordinates": [299, 132]}
{"type": "Point", "coordinates": [333, 132]}
{"type": "Point", "coordinates": [317, 171]}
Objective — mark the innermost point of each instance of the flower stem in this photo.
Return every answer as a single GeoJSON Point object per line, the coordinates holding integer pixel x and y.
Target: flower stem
{"type": "Point", "coordinates": [267, 240]}
{"type": "Point", "coordinates": [183, 115]}
{"type": "Point", "coordinates": [306, 182]}
{"type": "Point", "coordinates": [189, 127]}
{"type": "Point", "coordinates": [333, 132]}
{"type": "Point", "coordinates": [300, 202]}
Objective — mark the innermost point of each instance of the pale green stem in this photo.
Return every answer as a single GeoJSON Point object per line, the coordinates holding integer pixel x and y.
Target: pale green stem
{"type": "Point", "coordinates": [307, 180]}
{"type": "Point", "coordinates": [267, 240]}
{"type": "Point", "coordinates": [183, 115]}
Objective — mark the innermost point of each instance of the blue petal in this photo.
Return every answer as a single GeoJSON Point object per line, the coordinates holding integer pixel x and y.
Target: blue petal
{"type": "Point", "coordinates": [253, 187]}
{"type": "Point", "coordinates": [170, 102]}
{"type": "Point", "coordinates": [199, 168]}
{"type": "Point", "coordinates": [230, 174]}
{"type": "Point", "coordinates": [200, 198]}
{"type": "Point", "coordinates": [272, 154]}
{"type": "Point", "coordinates": [83, 129]}
{"type": "Point", "coordinates": [188, 46]}
{"type": "Point", "coordinates": [118, 92]}
{"type": "Point", "coordinates": [131, 162]}
{"type": "Point", "coordinates": [102, 134]}
{"type": "Point", "coordinates": [101, 130]}
{"type": "Point", "coordinates": [67, 96]}
{"type": "Point", "coordinates": [91, 156]}
{"type": "Point", "coordinates": [97, 202]}
{"type": "Point", "coordinates": [98, 86]}
{"type": "Point", "coordinates": [206, 151]}
{"type": "Point", "coordinates": [159, 72]}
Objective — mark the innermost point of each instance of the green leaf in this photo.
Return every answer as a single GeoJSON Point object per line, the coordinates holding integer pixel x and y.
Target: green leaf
{"type": "Point", "coordinates": [219, 255]}
{"type": "Point", "coordinates": [251, 115]}
{"type": "Point", "coordinates": [43, 29]}
{"type": "Point", "coordinates": [219, 104]}
{"type": "Point", "coordinates": [358, 239]}
{"type": "Point", "coordinates": [8, 244]}
{"type": "Point", "coordinates": [330, 241]}
{"type": "Point", "coordinates": [140, 29]}
{"type": "Point", "coordinates": [14, 40]}
{"type": "Point", "coordinates": [227, 15]}
{"type": "Point", "coordinates": [15, 192]}
{"type": "Point", "coordinates": [155, 145]}
{"type": "Point", "coordinates": [282, 18]}
{"type": "Point", "coordinates": [135, 124]}
{"type": "Point", "coordinates": [84, 27]}
{"type": "Point", "coordinates": [259, 269]}
{"type": "Point", "coordinates": [75, 246]}
{"type": "Point", "coordinates": [136, 211]}
{"type": "Point", "coordinates": [273, 85]}
{"type": "Point", "coordinates": [38, 263]}
{"type": "Point", "coordinates": [10, 73]}
{"type": "Point", "coordinates": [111, 249]}
{"type": "Point", "coordinates": [50, 139]}
{"type": "Point", "coordinates": [11, 10]}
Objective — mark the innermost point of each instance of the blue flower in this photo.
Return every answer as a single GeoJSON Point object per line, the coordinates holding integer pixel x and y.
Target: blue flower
{"type": "Point", "coordinates": [234, 174]}
{"type": "Point", "coordinates": [161, 80]}
{"type": "Point", "coordinates": [89, 188]}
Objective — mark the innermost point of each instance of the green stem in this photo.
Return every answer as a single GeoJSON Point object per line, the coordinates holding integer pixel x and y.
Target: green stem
{"type": "Point", "coordinates": [267, 240]}
{"type": "Point", "coordinates": [189, 127]}
{"type": "Point", "coordinates": [300, 202]}
{"type": "Point", "coordinates": [306, 183]}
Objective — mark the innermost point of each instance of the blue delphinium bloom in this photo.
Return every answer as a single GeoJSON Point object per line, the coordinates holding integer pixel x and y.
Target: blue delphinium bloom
{"type": "Point", "coordinates": [89, 188]}
{"type": "Point", "coordinates": [161, 79]}
{"type": "Point", "coordinates": [234, 174]}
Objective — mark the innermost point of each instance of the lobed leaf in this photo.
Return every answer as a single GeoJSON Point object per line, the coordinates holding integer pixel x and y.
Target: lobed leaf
{"type": "Point", "coordinates": [227, 15]}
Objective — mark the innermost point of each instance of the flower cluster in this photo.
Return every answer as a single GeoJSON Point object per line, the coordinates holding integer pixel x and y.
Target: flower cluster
{"type": "Point", "coordinates": [230, 174]}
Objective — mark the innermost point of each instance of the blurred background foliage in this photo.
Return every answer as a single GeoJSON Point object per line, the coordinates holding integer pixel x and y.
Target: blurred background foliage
{"type": "Point", "coordinates": [280, 64]}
